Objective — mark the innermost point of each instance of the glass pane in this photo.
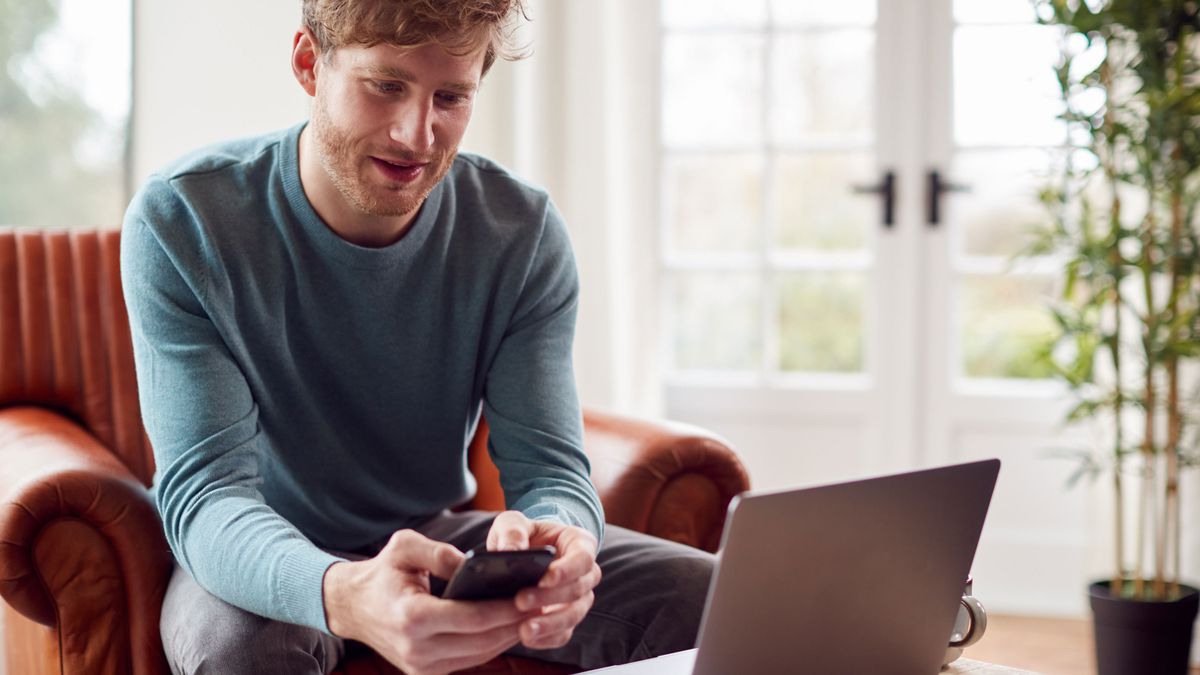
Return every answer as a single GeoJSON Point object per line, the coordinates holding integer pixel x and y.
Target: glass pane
{"type": "Point", "coordinates": [713, 202]}
{"type": "Point", "coordinates": [717, 322]}
{"type": "Point", "coordinates": [814, 205]}
{"type": "Point", "coordinates": [1000, 214]}
{"type": "Point", "coordinates": [821, 322]}
{"type": "Point", "coordinates": [823, 12]}
{"type": "Point", "coordinates": [712, 90]}
{"type": "Point", "coordinates": [1003, 322]}
{"type": "Point", "coordinates": [1005, 95]}
{"type": "Point", "coordinates": [821, 87]}
{"type": "Point", "coordinates": [64, 108]}
{"type": "Point", "coordinates": [713, 13]}
{"type": "Point", "coordinates": [994, 11]}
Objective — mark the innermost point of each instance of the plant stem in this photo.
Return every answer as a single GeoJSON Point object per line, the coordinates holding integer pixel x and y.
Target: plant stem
{"type": "Point", "coordinates": [1146, 515]}
{"type": "Point", "coordinates": [1116, 586]}
{"type": "Point", "coordinates": [1174, 414]}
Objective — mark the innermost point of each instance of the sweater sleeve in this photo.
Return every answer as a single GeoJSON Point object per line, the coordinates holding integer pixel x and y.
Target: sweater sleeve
{"type": "Point", "coordinates": [530, 400]}
{"type": "Point", "coordinates": [202, 421]}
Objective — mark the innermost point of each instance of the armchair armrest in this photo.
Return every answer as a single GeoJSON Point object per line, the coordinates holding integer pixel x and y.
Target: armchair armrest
{"type": "Point", "coordinates": [667, 479]}
{"type": "Point", "coordinates": [81, 545]}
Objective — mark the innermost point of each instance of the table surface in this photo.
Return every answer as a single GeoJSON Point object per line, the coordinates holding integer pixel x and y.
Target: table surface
{"type": "Point", "coordinates": [962, 666]}
{"type": "Point", "coordinates": [681, 662]}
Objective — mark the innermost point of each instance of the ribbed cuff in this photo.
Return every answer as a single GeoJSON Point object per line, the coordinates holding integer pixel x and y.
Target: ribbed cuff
{"type": "Point", "coordinates": [300, 586]}
{"type": "Point", "coordinates": [560, 514]}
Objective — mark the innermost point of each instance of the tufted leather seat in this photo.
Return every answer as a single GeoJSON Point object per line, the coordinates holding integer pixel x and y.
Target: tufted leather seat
{"type": "Point", "coordinates": [83, 561]}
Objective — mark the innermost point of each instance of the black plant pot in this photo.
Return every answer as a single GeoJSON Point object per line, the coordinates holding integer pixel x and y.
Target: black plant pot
{"type": "Point", "coordinates": [1141, 637]}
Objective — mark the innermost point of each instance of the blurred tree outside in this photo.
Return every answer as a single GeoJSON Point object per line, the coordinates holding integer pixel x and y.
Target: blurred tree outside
{"type": "Point", "coordinates": [62, 161]}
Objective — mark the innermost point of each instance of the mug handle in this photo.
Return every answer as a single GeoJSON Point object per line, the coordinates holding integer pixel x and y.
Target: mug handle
{"type": "Point", "coordinates": [976, 625]}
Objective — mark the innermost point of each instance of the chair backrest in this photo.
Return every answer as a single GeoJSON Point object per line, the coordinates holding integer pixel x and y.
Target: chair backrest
{"type": "Point", "coordinates": [64, 335]}
{"type": "Point", "coordinates": [65, 344]}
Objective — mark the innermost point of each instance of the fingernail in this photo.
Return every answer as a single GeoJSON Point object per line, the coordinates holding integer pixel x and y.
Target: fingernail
{"type": "Point", "coordinates": [524, 601]}
{"type": "Point", "coordinates": [548, 580]}
{"type": "Point", "coordinates": [535, 627]}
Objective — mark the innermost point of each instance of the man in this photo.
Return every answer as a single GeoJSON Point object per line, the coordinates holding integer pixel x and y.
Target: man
{"type": "Point", "coordinates": [320, 316]}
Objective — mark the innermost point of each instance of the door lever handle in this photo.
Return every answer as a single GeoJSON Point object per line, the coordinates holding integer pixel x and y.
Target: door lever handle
{"type": "Point", "coordinates": [935, 188]}
{"type": "Point", "coordinates": [886, 188]}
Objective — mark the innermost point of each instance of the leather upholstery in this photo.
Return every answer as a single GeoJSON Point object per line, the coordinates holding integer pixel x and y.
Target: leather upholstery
{"type": "Point", "coordinates": [83, 561]}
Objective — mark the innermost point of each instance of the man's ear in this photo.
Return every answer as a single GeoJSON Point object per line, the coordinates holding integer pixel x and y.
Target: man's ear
{"type": "Point", "coordinates": [306, 58]}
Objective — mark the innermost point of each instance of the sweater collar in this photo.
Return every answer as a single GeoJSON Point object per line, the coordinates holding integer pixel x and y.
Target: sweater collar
{"type": "Point", "coordinates": [328, 242]}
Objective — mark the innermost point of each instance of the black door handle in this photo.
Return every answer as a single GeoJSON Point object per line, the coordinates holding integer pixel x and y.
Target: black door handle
{"type": "Point", "coordinates": [886, 189]}
{"type": "Point", "coordinates": [933, 195]}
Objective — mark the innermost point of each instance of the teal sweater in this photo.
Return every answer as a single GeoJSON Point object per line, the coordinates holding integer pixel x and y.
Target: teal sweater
{"type": "Point", "coordinates": [304, 393]}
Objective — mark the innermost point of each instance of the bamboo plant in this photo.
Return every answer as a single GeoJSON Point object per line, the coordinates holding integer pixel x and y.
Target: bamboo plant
{"type": "Point", "coordinates": [1123, 215]}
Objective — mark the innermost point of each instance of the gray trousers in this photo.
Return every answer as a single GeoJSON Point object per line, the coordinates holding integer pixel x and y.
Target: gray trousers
{"type": "Point", "coordinates": [648, 603]}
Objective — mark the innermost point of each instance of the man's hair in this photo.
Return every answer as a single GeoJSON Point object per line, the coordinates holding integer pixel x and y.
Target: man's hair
{"type": "Point", "coordinates": [458, 26]}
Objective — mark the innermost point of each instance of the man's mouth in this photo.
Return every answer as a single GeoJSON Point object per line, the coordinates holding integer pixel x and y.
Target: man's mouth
{"type": "Point", "coordinates": [400, 171]}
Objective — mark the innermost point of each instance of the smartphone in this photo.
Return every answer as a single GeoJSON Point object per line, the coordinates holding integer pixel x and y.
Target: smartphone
{"type": "Point", "coordinates": [487, 575]}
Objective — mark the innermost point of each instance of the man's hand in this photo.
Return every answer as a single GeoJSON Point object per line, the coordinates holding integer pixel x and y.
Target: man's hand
{"type": "Point", "coordinates": [564, 595]}
{"type": "Point", "coordinates": [385, 603]}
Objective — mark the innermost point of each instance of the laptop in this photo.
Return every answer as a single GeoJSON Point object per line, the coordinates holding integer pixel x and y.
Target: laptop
{"type": "Point", "coordinates": [856, 577]}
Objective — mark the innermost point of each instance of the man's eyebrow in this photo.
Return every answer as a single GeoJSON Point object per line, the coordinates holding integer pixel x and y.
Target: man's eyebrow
{"type": "Point", "coordinates": [394, 73]}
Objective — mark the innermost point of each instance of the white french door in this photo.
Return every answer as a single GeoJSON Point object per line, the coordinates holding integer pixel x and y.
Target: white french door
{"type": "Point", "coordinates": [831, 329]}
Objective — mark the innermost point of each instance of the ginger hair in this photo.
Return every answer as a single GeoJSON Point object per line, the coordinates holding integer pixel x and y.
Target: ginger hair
{"type": "Point", "coordinates": [458, 26]}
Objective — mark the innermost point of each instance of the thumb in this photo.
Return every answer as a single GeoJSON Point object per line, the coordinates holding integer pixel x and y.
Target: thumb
{"type": "Point", "coordinates": [510, 532]}
{"type": "Point", "coordinates": [413, 551]}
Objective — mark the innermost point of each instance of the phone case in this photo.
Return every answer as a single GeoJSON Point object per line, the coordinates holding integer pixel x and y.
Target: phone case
{"type": "Point", "coordinates": [486, 575]}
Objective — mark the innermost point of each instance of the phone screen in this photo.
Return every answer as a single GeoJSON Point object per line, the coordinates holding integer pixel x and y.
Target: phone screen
{"type": "Point", "coordinates": [487, 575]}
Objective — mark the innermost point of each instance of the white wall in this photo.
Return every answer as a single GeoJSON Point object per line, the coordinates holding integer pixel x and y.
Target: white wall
{"type": "Point", "coordinates": [209, 71]}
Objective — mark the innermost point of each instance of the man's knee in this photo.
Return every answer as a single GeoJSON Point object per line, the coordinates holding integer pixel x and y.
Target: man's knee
{"type": "Point", "coordinates": [684, 581]}
{"type": "Point", "coordinates": [656, 588]}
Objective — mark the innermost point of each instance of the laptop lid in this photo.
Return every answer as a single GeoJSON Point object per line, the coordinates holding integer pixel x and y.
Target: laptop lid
{"type": "Point", "coordinates": [857, 577]}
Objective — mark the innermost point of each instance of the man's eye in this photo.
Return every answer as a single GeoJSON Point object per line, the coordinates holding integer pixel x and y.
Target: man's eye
{"type": "Point", "coordinates": [452, 99]}
{"type": "Point", "coordinates": [388, 87]}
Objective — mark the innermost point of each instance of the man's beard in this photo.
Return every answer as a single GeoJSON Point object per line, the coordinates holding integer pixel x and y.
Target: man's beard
{"type": "Point", "coordinates": [337, 154]}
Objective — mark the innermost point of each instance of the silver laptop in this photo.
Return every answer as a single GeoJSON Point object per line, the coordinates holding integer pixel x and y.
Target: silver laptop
{"type": "Point", "coordinates": [857, 577]}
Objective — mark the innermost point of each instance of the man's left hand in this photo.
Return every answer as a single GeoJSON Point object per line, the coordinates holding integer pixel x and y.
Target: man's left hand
{"type": "Point", "coordinates": [565, 592]}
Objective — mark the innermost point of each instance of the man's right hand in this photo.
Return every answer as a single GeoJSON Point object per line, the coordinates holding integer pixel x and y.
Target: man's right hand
{"type": "Point", "coordinates": [384, 602]}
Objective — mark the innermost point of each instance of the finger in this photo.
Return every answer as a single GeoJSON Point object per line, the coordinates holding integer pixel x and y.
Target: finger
{"type": "Point", "coordinates": [466, 663]}
{"type": "Point", "coordinates": [543, 629]}
{"type": "Point", "coordinates": [453, 665]}
{"type": "Point", "coordinates": [553, 641]}
{"type": "Point", "coordinates": [569, 567]}
{"type": "Point", "coordinates": [429, 615]}
{"type": "Point", "coordinates": [450, 652]}
{"type": "Point", "coordinates": [411, 550]}
{"type": "Point", "coordinates": [566, 592]}
{"type": "Point", "coordinates": [510, 532]}
{"type": "Point", "coordinates": [565, 538]}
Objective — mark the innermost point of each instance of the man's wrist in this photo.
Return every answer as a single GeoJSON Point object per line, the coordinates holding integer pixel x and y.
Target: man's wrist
{"type": "Point", "coordinates": [336, 591]}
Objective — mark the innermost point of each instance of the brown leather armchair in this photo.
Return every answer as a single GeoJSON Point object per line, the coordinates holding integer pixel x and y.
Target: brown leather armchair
{"type": "Point", "coordinates": [83, 561]}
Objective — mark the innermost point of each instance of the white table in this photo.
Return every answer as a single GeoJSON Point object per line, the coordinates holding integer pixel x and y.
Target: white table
{"type": "Point", "coordinates": [680, 663]}
{"type": "Point", "coordinates": [963, 666]}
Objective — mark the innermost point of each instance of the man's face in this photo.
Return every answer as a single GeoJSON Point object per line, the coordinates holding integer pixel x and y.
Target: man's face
{"type": "Point", "coordinates": [387, 123]}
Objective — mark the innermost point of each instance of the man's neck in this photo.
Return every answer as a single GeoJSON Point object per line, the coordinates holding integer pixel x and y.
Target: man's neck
{"type": "Point", "coordinates": [346, 222]}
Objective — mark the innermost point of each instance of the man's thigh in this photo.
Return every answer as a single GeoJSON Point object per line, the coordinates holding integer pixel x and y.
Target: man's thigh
{"type": "Point", "coordinates": [203, 634]}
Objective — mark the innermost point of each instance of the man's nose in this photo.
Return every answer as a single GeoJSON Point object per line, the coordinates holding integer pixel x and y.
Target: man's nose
{"type": "Point", "coordinates": [413, 125]}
